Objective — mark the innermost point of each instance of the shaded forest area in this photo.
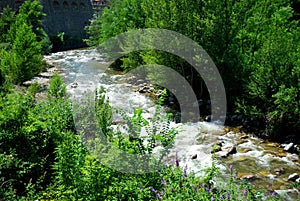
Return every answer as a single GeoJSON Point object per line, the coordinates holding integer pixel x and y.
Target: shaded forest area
{"type": "Point", "coordinates": [255, 46]}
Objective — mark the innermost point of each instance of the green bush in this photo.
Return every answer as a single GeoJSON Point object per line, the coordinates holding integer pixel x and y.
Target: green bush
{"type": "Point", "coordinates": [29, 134]}
{"type": "Point", "coordinates": [57, 87]}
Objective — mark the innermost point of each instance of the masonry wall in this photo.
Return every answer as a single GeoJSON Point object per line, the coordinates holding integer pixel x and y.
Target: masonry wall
{"type": "Point", "coordinates": [68, 16]}
{"type": "Point", "coordinates": [14, 4]}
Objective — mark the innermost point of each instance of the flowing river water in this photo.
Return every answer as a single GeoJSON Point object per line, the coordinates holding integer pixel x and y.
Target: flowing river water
{"type": "Point", "coordinates": [264, 164]}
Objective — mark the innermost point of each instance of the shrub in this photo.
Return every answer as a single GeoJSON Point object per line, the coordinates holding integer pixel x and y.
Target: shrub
{"type": "Point", "coordinates": [57, 87]}
{"type": "Point", "coordinates": [29, 134]}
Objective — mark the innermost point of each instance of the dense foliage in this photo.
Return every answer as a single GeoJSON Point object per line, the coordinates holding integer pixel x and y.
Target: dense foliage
{"type": "Point", "coordinates": [29, 135]}
{"type": "Point", "coordinates": [255, 46]}
{"type": "Point", "coordinates": [22, 43]}
{"type": "Point", "coordinates": [45, 156]}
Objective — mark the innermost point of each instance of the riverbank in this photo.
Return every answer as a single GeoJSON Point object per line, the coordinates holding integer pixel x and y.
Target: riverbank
{"type": "Point", "coordinates": [234, 122]}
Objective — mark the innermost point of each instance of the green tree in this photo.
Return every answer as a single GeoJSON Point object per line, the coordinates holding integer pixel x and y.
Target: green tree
{"type": "Point", "coordinates": [31, 13]}
{"type": "Point", "coordinates": [123, 15]}
{"type": "Point", "coordinates": [24, 60]}
{"type": "Point", "coordinates": [270, 58]}
{"type": "Point", "coordinates": [6, 19]}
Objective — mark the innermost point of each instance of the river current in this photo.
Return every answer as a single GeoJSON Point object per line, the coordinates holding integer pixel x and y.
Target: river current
{"type": "Point", "coordinates": [265, 164]}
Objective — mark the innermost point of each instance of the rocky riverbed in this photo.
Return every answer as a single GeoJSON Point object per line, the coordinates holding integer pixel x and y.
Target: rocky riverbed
{"type": "Point", "coordinates": [265, 164]}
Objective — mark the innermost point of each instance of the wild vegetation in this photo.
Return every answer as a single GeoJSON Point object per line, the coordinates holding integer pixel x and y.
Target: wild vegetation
{"type": "Point", "coordinates": [43, 156]}
{"type": "Point", "coordinates": [255, 46]}
{"type": "Point", "coordinates": [22, 43]}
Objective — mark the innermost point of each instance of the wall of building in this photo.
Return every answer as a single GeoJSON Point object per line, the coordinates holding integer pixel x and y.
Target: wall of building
{"type": "Point", "coordinates": [14, 4]}
{"type": "Point", "coordinates": [68, 16]}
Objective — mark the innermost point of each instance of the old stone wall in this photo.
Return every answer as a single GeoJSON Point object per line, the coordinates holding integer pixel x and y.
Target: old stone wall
{"type": "Point", "coordinates": [14, 4]}
{"type": "Point", "coordinates": [67, 16]}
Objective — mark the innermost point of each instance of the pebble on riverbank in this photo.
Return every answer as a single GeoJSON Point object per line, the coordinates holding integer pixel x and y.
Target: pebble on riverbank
{"type": "Point", "coordinates": [293, 177]}
{"type": "Point", "coordinates": [248, 177]}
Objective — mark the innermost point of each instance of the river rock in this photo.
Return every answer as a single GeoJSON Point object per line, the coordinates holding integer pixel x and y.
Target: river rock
{"type": "Point", "coordinates": [281, 154]}
{"type": "Point", "coordinates": [288, 147]}
{"type": "Point", "coordinates": [249, 177]}
{"type": "Point", "coordinates": [151, 89]}
{"type": "Point", "coordinates": [243, 137]}
{"type": "Point", "coordinates": [279, 171]}
{"type": "Point", "coordinates": [219, 143]}
{"type": "Point", "coordinates": [230, 150]}
{"type": "Point", "coordinates": [74, 85]}
{"type": "Point", "coordinates": [271, 144]}
{"type": "Point", "coordinates": [226, 151]}
{"type": "Point", "coordinates": [244, 150]}
{"type": "Point", "coordinates": [293, 177]}
{"type": "Point", "coordinates": [241, 142]}
{"type": "Point", "coordinates": [144, 89]}
{"type": "Point", "coordinates": [194, 156]}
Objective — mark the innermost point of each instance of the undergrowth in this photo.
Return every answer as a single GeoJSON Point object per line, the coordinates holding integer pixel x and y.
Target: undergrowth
{"type": "Point", "coordinates": [44, 156]}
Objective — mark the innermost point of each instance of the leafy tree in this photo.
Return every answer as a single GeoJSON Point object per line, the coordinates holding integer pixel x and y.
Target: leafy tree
{"type": "Point", "coordinates": [29, 135]}
{"type": "Point", "coordinates": [6, 19]}
{"type": "Point", "coordinates": [253, 43]}
{"type": "Point", "coordinates": [273, 86]}
{"type": "Point", "coordinates": [24, 60]}
{"type": "Point", "coordinates": [31, 13]}
{"type": "Point", "coordinates": [122, 16]}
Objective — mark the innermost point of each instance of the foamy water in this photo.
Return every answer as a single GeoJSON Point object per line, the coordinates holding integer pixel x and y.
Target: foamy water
{"type": "Point", "coordinates": [86, 70]}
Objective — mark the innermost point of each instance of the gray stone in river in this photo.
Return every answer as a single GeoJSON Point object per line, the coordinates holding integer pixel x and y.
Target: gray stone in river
{"type": "Point", "coordinates": [279, 171]}
{"type": "Point", "coordinates": [248, 177]}
{"type": "Point", "coordinates": [289, 147]}
{"type": "Point", "coordinates": [226, 151]}
{"type": "Point", "coordinates": [243, 137]}
{"type": "Point", "coordinates": [74, 85]}
{"type": "Point", "coordinates": [194, 156]}
{"type": "Point", "coordinates": [288, 195]}
{"type": "Point", "coordinates": [293, 177]}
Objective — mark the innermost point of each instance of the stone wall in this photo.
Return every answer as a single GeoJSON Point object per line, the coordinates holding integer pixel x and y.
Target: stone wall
{"type": "Point", "coordinates": [14, 4]}
{"type": "Point", "coordinates": [67, 16]}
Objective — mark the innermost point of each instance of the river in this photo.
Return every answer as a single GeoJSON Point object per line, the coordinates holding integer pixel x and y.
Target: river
{"type": "Point", "coordinates": [265, 164]}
